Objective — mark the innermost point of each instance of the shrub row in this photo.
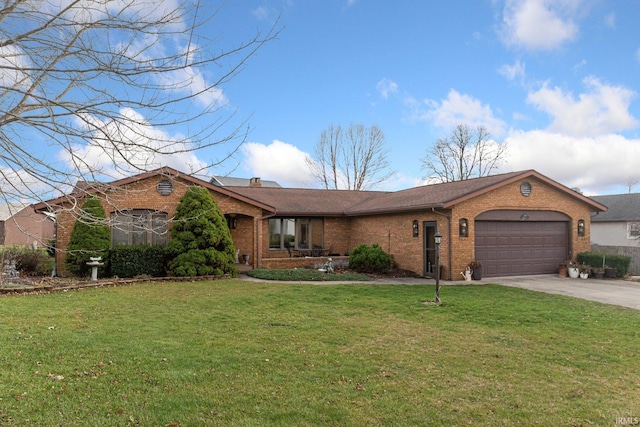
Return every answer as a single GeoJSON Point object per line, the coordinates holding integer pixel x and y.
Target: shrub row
{"type": "Point", "coordinates": [138, 260]}
{"type": "Point", "coordinates": [597, 259]}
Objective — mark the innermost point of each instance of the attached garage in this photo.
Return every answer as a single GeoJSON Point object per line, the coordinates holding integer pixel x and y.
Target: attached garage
{"type": "Point", "coordinates": [513, 243]}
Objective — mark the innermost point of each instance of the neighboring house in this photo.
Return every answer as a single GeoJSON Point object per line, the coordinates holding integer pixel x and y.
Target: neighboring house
{"type": "Point", "coordinates": [21, 225]}
{"type": "Point", "coordinates": [515, 223]}
{"type": "Point", "coordinates": [227, 181]}
{"type": "Point", "coordinates": [617, 230]}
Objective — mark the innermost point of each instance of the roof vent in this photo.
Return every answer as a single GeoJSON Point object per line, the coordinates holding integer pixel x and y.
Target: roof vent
{"type": "Point", "coordinates": [164, 187]}
{"type": "Point", "coordinates": [525, 189]}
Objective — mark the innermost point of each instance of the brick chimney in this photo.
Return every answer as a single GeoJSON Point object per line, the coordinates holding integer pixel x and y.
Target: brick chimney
{"type": "Point", "coordinates": [255, 182]}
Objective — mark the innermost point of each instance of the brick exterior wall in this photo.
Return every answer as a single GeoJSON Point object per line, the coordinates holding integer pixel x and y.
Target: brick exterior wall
{"type": "Point", "coordinates": [542, 198]}
{"type": "Point", "coordinates": [394, 232]}
{"type": "Point", "coordinates": [143, 195]}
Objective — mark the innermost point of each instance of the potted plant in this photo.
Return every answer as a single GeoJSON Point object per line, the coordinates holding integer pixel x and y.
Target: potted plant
{"type": "Point", "coordinates": [584, 271]}
{"type": "Point", "coordinates": [597, 273]}
{"type": "Point", "coordinates": [476, 269]}
{"type": "Point", "coordinates": [573, 269]}
{"type": "Point", "coordinates": [562, 270]}
{"type": "Point", "coordinates": [610, 272]}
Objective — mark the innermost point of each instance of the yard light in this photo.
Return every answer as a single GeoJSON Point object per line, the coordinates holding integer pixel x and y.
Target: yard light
{"type": "Point", "coordinates": [438, 239]}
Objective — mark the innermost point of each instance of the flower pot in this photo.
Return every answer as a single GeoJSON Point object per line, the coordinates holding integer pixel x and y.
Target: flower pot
{"type": "Point", "coordinates": [562, 271]}
{"type": "Point", "coordinates": [574, 273]}
{"type": "Point", "coordinates": [610, 273]}
{"type": "Point", "coordinates": [584, 275]}
{"type": "Point", "coordinates": [476, 273]}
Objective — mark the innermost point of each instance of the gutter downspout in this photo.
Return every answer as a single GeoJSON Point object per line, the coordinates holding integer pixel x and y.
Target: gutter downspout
{"type": "Point", "coordinates": [450, 241]}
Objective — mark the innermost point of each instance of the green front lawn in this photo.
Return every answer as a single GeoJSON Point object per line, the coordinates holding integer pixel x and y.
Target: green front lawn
{"type": "Point", "coordinates": [225, 353]}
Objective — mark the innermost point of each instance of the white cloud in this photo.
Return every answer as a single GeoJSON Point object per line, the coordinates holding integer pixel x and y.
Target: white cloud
{"type": "Point", "coordinates": [278, 161]}
{"type": "Point", "coordinates": [539, 24]}
{"type": "Point", "coordinates": [261, 13]}
{"type": "Point", "coordinates": [610, 20]}
{"type": "Point", "coordinates": [602, 109]}
{"type": "Point", "coordinates": [597, 165]}
{"type": "Point", "coordinates": [459, 108]}
{"type": "Point", "coordinates": [128, 146]}
{"type": "Point", "coordinates": [12, 61]}
{"type": "Point", "coordinates": [513, 72]}
{"type": "Point", "coordinates": [386, 87]}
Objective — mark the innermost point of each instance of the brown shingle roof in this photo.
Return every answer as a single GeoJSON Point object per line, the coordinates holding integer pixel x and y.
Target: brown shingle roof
{"type": "Point", "coordinates": [306, 201]}
{"type": "Point", "coordinates": [298, 201]}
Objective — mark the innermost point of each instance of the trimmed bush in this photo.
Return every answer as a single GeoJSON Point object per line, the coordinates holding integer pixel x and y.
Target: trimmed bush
{"type": "Point", "coordinates": [595, 259]}
{"type": "Point", "coordinates": [90, 237]}
{"type": "Point", "coordinates": [138, 260]}
{"type": "Point", "coordinates": [369, 259]}
{"type": "Point", "coordinates": [201, 243]}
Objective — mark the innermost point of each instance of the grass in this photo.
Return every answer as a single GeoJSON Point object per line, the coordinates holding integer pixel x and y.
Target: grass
{"type": "Point", "coordinates": [233, 353]}
{"type": "Point", "coordinates": [304, 274]}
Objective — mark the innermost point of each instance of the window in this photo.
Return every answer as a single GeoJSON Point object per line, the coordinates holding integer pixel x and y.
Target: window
{"type": "Point", "coordinates": [139, 227]}
{"type": "Point", "coordinates": [633, 230]}
{"type": "Point", "coordinates": [296, 233]}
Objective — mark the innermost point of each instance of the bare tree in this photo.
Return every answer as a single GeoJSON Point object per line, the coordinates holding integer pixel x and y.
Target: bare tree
{"type": "Point", "coordinates": [93, 90]}
{"type": "Point", "coordinates": [466, 153]}
{"type": "Point", "coordinates": [353, 159]}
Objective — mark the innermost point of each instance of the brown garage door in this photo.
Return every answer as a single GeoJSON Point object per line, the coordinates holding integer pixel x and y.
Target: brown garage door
{"type": "Point", "coordinates": [510, 248]}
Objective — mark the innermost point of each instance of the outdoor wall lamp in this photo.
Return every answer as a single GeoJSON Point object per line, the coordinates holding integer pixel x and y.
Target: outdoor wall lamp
{"type": "Point", "coordinates": [416, 230]}
{"type": "Point", "coordinates": [581, 227]}
{"type": "Point", "coordinates": [464, 227]}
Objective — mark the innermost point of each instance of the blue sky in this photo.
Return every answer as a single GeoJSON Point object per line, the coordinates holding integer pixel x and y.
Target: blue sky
{"type": "Point", "coordinates": [557, 80]}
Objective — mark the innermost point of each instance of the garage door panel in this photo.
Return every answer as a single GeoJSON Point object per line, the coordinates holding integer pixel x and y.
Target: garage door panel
{"type": "Point", "coordinates": [518, 248]}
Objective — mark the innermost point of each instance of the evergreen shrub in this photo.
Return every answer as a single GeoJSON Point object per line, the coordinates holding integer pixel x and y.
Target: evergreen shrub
{"type": "Point", "coordinates": [138, 260]}
{"type": "Point", "coordinates": [201, 243]}
{"type": "Point", "coordinates": [369, 259]}
{"type": "Point", "coordinates": [90, 237]}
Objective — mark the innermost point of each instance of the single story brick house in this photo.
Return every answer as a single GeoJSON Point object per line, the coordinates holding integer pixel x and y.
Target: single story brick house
{"type": "Point", "coordinates": [515, 223]}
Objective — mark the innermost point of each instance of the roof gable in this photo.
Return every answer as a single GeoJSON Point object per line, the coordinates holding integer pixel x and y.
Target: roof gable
{"type": "Point", "coordinates": [163, 171]}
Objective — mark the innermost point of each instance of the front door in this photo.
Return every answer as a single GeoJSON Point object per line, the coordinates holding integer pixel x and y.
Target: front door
{"type": "Point", "coordinates": [429, 243]}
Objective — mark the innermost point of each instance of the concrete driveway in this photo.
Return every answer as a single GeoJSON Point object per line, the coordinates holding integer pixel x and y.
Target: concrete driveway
{"type": "Point", "coordinates": [617, 292]}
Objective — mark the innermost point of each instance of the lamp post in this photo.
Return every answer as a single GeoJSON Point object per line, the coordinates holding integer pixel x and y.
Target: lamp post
{"type": "Point", "coordinates": [438, 239]}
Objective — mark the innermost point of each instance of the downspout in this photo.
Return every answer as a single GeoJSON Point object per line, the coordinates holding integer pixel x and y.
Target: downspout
{"type": "Point", "coordinates": [450, 250]}
{"type": "Point", "coordinates": [258, 259]}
